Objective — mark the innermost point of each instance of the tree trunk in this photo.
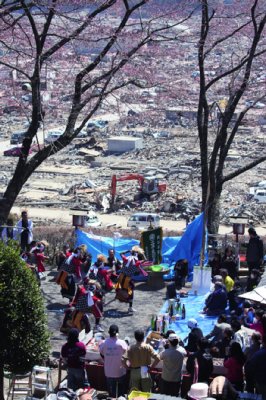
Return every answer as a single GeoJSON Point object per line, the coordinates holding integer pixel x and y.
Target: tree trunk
{"type": "Point", "coordinates": [9, 198]}
{"type": "Point", "coordinates": [2, 394]}
{"type": "Point", "coordinates": [213, 212]}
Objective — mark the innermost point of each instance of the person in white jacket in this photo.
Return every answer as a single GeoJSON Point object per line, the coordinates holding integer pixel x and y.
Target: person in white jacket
{"type": "Point", "coordinates": [9, 232]}
{"type": "Point", "coordinates": [24, 231]}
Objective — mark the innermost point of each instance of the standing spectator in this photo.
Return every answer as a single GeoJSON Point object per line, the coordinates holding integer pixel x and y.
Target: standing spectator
{"type": "Point", "coordinates": [139, 356]}
{"type": "Point", "coordinates": [172, 367]}
{"type": "Point", "coordinates": [112, 350]}
{"type": "Point", "coordinates": [234, 365]}
{"type": "Point", "coordinates": [194, 335]}
{"type": "Point", "coordinates": [24, 230]}
{"type": "Point", "coordinates": [71, 352]}
{"type": "Point", "coordinates": [181, 272]}
{"type": "Point", "coordinates": [217, 333]}
{"type": "Point", "coordinates": [256, 368]}
{"type": "Point", "coordinates": [254, 253]}
{"type": "Point", "coordinates": [9, 232]}
{"type": "Point", "coordinates": [204, 362]}
{"type": "Point", "coordinates": [215, 264]}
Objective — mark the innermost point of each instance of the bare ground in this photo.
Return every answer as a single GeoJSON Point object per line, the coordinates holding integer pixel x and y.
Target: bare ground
{"type": "Point", "coordinates": [147, 302]}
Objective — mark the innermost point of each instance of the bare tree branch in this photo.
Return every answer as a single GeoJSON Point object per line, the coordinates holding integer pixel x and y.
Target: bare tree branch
{"type": "Point", "coordinates": [243, 169]}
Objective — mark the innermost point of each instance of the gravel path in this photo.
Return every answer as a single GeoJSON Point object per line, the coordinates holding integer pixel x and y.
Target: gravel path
{"type": "Point", "coordinates": [146, 301]}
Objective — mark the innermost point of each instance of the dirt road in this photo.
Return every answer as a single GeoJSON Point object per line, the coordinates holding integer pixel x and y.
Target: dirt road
{"type": "Point", "coordinates": [120, 221]}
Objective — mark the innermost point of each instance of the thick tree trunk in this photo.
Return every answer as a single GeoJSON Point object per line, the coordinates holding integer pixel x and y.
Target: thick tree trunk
{"type": "Point", "coordinates": [9, 198]}
{"type": "Point", "coordinates": [2, 394]}
{"type": "Point", "coordinates": [213, 212]}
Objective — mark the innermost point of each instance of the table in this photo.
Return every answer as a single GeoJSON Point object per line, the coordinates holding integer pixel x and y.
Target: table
{"type": "Point", "coordinates": [155, 279]}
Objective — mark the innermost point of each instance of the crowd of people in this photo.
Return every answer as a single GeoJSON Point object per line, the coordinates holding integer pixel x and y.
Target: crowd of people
{"type": "Point", "coordinates": [131, 366]}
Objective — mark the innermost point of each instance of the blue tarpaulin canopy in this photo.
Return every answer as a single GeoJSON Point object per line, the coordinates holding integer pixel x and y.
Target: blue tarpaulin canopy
{"type": "Point", "coordinates": [189, 246]}
{"type": "Point", "coordinates": [173, 248]}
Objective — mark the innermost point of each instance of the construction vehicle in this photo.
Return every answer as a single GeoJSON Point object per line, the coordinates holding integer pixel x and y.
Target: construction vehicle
{"type": "Point", "coordinates": [147, 185]}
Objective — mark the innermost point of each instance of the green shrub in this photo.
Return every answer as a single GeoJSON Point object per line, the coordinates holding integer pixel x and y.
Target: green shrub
{"type": "Point", "coordinates": [23, 326]}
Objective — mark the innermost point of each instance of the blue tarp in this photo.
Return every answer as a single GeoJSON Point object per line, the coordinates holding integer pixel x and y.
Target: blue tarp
{"type": "Point", "coordinates": [194, 305]}
{"type": "Point", "coordinates": [173, 248]}
{"type": "Point", "coordinates": [101, 244]}
{"type": "Point", "coordinates": [189, 246]}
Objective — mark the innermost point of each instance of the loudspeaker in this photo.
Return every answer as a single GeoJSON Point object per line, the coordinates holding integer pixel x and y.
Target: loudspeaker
{"type": "Point", "coordinates": [171, 291]}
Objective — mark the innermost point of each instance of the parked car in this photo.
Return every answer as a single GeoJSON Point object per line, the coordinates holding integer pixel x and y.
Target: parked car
{"type": "Point", "coordinates": [15, 152]}
{"type": "Point", "coordinates": [53, 136]}
{"type": "Point", "coordinates": [260, 195]}
{"type": "Point", "coordinates": [17, 137]}
{"type": "Point", "coordinates": [99, 124]}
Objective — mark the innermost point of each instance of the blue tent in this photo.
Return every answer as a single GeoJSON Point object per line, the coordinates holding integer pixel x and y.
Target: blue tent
{"type": "Point", "coordinates": [173, 248]}
{"type": "Point", "coordinates": [101, 244]}
{"type": "Point", "coordinates": [189, 246]}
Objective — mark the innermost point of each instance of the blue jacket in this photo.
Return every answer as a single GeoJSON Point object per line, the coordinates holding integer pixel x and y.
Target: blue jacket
{"type": "Point", "coordinates": [217, 300]}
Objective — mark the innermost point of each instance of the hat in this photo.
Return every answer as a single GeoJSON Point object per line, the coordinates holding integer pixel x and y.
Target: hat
{"type": "Point", "coordinates": [199, 391]}
{"type": "Point", "coordinates": [192, 323]}
{"type": "Point", "coordinates": [113, 330]}
{"type": "Point", "coordinates": [172, 336]}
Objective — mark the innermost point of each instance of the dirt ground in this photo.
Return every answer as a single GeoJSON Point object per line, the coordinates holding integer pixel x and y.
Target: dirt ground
{"type": "Point", "coordinates": [147, 302]}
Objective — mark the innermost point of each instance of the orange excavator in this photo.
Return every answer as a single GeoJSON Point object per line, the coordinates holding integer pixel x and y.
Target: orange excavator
{"type": "Point", "coordinates": [147, 185]}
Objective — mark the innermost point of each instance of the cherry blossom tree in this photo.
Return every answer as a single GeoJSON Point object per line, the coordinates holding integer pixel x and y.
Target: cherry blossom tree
{"type": "Point", "coordinates": [72, 56]}
{"type": "Point", "coordinates": [236, 36]}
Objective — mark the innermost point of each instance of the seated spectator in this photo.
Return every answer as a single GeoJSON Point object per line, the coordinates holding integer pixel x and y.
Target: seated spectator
{"type": "Point", "coordinates": [216, 302]}
{"type": "Point", "coordinates": [253, 280]}
{"type": "Point", "coordinates": [227, 280]}
{"type": "Point", "coordinates": [229, 262]}
{"type": "Point", "coordinates": [224, 344]}
{"type": "Point", "coordinates": [257, 325]}
{"type": "Point", "coordinates": [201, 362]}
{"type": "Point", "coordinates": [248, 311]}
{"type": "Point", "coordinates": [240, 335]}
{"type": "Point", "coordinates": [217, 333]}
{"type": "Point", "coordinates": [222, 389]}
{"type": "Point", "coordinates": [194, 336]}
{"type": "Point", "coordinates": [234, 365]}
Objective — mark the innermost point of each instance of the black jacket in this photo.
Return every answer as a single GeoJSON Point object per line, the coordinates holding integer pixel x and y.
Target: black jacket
{"type": "Point", "coordinates": [205, 364]}
{"type": "Point", "coordinates": [254, 249]}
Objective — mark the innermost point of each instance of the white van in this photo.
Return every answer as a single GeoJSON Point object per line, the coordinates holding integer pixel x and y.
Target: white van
{"type": "Point", "coordinates": [260, 195]}
{"type": "Point", "coordinates": [143, 220]}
